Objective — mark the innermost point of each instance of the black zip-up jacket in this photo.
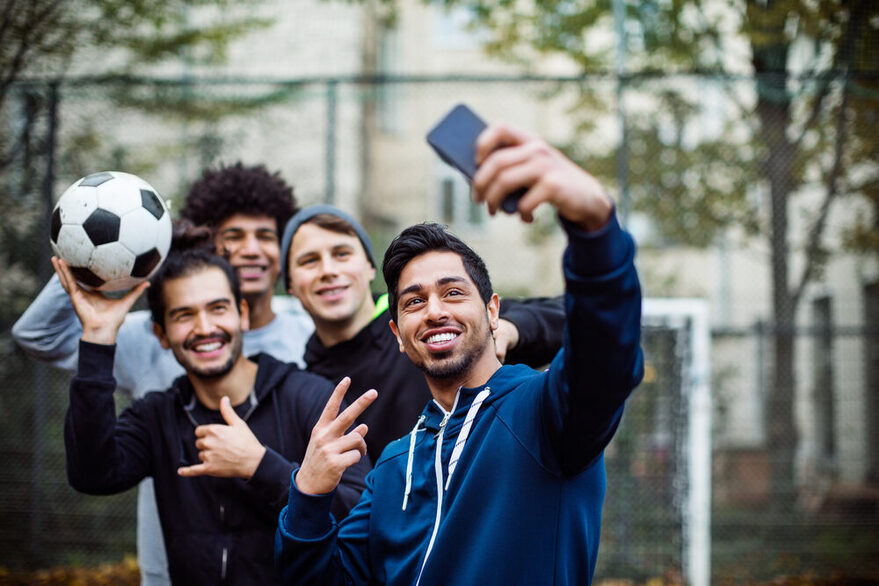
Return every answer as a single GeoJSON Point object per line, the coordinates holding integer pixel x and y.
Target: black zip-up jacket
{"type": "Point", "coordinates": [373, 360]}
{"type": "Point", "coordinates": [216, 530]}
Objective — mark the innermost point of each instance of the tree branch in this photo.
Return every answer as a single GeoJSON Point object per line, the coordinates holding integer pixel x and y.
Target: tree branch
{"type": "Point", "coordinates": [37, 25]}
{"type": "Point", "coordinates": [813, 250]}
{"type": "Point", "coordinates": [820, 96]}
{"type": "Point", "coordinates": [7, 19]}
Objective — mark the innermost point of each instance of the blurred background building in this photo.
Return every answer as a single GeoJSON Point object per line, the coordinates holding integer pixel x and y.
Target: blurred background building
{"type": "Point", "coordinates": [739, 142]}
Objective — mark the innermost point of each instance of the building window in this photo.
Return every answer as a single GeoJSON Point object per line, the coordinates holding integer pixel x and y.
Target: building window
{"type": "Point", "coordinates": [456, 207]}
{"type": "Point", "coordinates": [453, 29]}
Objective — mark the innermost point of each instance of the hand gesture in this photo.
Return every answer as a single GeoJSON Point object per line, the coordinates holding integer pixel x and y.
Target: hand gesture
{"type": "Point", "coordinates": [226, 451]}
{"type": "Point", "coordinates": [510, 159]}
{"type": "Point", "coordinates": [506, 337]}
{"type": "Point", "coordinates": [100, 316]}
{"type": "Point", "coordinates": [330, 450]}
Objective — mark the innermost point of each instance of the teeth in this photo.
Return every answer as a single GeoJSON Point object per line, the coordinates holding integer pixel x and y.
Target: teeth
{"type": "Point", "coordinates": [441, 338]}
{"type": "Point", "coordinates": [207, 347]}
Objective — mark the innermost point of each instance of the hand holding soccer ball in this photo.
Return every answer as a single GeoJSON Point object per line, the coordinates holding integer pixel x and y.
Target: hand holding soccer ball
{"type": "Point", "coordinates": [100, 316]}
{"type": "Point", "coordinates": [112, 229]}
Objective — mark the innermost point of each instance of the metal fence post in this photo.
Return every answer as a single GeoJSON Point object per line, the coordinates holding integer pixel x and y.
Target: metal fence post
{"type": "Point", "coordinates": [41, 376]}
{"type": "Point", "coordinates": [330, 178]}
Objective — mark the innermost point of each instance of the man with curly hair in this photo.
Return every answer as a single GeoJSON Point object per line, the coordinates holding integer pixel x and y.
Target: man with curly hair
{"type": "Point", "coordinates": [246, 207]}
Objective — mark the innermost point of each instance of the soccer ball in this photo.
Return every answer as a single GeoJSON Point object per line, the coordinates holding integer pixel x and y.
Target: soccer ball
{"type": "Point", "coordinates": [112, 229]}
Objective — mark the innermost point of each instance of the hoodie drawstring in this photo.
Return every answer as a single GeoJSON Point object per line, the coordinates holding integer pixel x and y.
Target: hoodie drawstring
{"type": "Point", "coordinates": [453, 460]}
{"type": "Point", "coordinates": [412, 435]}
{"type": "Point", "coordinates": [465, 431]}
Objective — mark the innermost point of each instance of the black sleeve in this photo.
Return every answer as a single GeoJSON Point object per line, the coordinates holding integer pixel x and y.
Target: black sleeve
{"type": "Point", "coordinates": [104, 455]}
{"type": "Point", "coordinates": [541, 325]}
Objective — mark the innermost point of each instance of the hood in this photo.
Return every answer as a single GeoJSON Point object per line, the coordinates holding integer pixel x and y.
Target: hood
{"type": "Point", "coordinates": [457, 423]}
{"type": "Point", "coordinates": [270, 373]}
{"type": "Point", "coordinates": [501, 383]}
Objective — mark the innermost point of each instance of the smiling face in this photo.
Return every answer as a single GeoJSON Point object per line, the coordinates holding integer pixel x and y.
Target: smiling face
{"type": "Point", "coordinates": [330, 274]}
{"type": "Point", "coordinates": [442, 323]}
{"type": "Point", "coordinates": [202, 325]}
{"type": "Point", "coordinates": [254, 251]}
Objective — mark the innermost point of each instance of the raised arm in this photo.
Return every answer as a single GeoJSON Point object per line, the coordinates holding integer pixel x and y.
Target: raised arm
{"type": "Point", "coordinates": [49, 331]}
{"type": "Point", "coordinates": [306, 541]}
{"type": "Point", "coordinates": [601, 362]}
{"type": "Point", "coordinates": [103, 456]}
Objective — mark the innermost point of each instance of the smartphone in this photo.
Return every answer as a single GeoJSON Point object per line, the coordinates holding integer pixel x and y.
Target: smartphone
{"type": "Point", "coordinates": [454, 140]}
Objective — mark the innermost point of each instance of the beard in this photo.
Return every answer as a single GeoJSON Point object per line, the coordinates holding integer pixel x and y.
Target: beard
{"type": "Point", "coordinates": [215, 372]}
{"type": "Point", "coordinates": [210, 373]}
{"type": "Point", "coordinates": [451, 365]}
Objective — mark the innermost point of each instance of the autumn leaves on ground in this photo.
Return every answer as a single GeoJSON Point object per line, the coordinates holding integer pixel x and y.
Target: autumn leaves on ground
{"type": "Point", "coordinates": [125, 573]}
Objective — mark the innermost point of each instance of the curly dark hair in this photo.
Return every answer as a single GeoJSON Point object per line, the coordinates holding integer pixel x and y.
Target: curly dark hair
{"type": "Point", "coordinates": [239, 189]}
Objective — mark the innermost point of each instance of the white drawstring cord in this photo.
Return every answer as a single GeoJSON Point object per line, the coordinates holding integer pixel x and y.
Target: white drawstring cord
{"type": "Point", "coordinates": [465, 432]}
{"type": "Point", "coordinates": [412, 433]}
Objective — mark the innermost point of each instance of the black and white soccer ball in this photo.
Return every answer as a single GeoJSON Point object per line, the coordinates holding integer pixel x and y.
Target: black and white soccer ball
{"type": "Point", "coordinates": [112, 229]}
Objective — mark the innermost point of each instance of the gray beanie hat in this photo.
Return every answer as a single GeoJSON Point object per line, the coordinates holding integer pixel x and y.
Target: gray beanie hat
{"type": "Point", "coordinates": [305, 214]}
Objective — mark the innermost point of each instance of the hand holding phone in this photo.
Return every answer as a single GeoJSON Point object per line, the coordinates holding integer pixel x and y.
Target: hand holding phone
{"type": "Point", "coordinates": [454, 139]}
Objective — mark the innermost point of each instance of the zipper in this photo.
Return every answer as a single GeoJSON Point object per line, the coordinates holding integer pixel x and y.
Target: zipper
{"type": "Point", "coordinates": [443, 423]}
{"type": "Point", "coordinates": [225, 557]}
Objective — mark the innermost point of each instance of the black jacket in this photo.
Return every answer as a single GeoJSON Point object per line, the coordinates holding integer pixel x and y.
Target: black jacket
{"type": "Point", "coordinates": [216, 530]}
{"type": "Point", "coordinates": [373, 360]}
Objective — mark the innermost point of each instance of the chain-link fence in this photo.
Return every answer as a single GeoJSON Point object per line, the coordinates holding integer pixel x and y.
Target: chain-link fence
{"type": "Point", "coordinates": [699, 180]}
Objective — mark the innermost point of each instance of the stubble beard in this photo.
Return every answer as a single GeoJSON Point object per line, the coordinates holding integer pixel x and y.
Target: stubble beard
{"type": "Point", "coordinates": [221, 370]}
{"type": "Point", "coordinates": [448, 366]}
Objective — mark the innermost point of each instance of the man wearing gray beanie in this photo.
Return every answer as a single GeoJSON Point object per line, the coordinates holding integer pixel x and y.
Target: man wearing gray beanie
{"type": "Point", "coordinates": [328, 262]}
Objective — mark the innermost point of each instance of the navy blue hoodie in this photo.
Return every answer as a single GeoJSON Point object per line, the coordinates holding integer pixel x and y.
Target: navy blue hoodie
{"type": "Point", "coordinates": [508, 487]}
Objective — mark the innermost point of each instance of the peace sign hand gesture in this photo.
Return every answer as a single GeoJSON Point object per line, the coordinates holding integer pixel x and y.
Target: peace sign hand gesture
{"type": "Point", "coordinates": [331, 450]}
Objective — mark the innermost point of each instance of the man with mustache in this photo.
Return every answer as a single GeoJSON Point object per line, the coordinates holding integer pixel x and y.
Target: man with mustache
{"type": "Point", "coordinates": [328, 264]}
{"type": "Point", "coordinates": [246, 207]}
{"type": "Point", "coordinates": [502, 479]}
{"type": "Point", "coordinates": [220, 443]}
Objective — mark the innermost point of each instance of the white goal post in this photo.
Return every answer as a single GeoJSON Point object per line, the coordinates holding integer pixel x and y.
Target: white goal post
{"type": "Point", "coordinates": [691, 316]}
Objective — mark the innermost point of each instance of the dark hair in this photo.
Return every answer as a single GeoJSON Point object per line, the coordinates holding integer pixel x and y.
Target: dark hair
{"type": "Point", "coordinates": [191, 252]}
{"type": "Point", "coordinates": [430, 237]}
{"type": "Point", "coordinates": [238, 189]}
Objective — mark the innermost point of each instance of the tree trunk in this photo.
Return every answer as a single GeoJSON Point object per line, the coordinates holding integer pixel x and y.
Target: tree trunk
{"type": "Point", "coordinates": [773, 110]}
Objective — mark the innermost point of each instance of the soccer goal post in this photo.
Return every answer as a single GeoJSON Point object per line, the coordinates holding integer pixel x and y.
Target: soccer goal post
{"type": "Point", "coordinates": [657, 513]}
{"type": "Point", "coordinates": [689, 317]}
